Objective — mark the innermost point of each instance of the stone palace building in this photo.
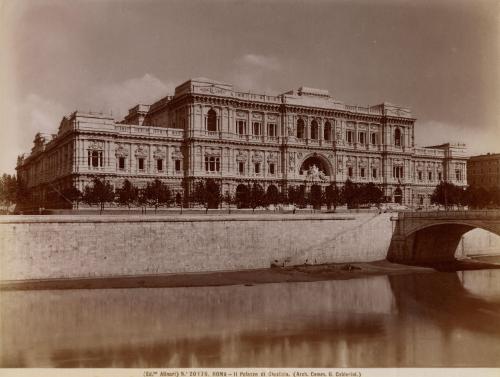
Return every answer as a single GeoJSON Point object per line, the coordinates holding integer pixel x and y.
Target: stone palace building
{"type": "Point", "coordinates": [209, 130]}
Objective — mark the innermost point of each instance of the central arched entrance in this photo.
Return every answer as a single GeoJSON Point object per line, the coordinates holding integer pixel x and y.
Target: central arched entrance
{"type": "Point", "coordinates": [316, 163]}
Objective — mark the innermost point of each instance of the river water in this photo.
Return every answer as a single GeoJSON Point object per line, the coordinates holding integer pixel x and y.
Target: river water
{"type": "Point", "coordinates": [427, 319]}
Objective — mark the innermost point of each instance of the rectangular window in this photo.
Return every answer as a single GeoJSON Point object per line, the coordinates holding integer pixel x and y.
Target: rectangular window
{"type": "Point", "coordinates": [94, 159]}
{"type": "Point", "coordinates": [349, 172]}
{"type": "Point", "coordinates": [458, 175]}
{"type": "Point", "coordinates": [121, 163]}
{"type": "Point", "coordinates": [374, 138]}
{"type": "Point", "coordinates": [362, 172]}
{"type": "Point", "coordinates": [374, 173]}
{"type": "Point", "coordinates": [177, 165]}
{"type": "Point", "coordinates": [362, 137]}
{"type": "Point", "coordinates": [159, 164]}
{"type": "Point", "coordinates": [212, 163]}
{"type": "Point", "coordinates": [241, 127]}
{"type": "Point", "coordinates": [257, 168]}
{"type": "Point", "coordinates": [271, 130]}
{"type": "Point", "coordinates": [397, 172]}
{"type": "Point", "coordinates": [141, 163]}
{"type": "Point", "coordinates": [440, 176]}
{"type": "Point", "coordinates": [419, 175]}
{"type": "Point", "coordinates": [430, 176]}
{"type": "Point", "coordinates": [271, 168]}
{"type": "Point", "coordinates": [256, 128]}
{"type": "Point", "coordinates": [241, 167]}
{"type": "Point", "coordinates": [349, 136]}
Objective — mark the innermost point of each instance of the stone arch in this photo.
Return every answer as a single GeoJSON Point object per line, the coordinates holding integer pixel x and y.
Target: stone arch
{"type": "Point", "coordinates": [211, 120]}
{"type": "Point", "coordinates": [300, 129]}
{"type": "Point", "coordinates": [319, 160]}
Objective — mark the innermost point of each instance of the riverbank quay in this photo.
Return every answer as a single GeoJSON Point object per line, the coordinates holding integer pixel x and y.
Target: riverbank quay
{"type": "Point", "coordinates": [100, 246]}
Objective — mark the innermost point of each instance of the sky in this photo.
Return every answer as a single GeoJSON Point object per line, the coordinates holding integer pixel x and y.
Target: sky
{"type": "Point", "coordinates": [441, 58]}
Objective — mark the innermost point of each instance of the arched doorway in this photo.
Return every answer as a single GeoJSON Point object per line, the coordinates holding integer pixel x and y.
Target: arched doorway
{"type": "Point", "coordinates": [398, 196]}
{"type": "Point", "coordinates": [211, 120]}
{"type": "Point", "coordinates": [316, 164]}
{"type": "Point", "coordinates": [242, 197]}
{"type": "Point", "coordinates": [272, 194]}
{"type": "Point", "coordinates": [300, 129]}
{"type": "Point", "coordinates": [314, 130]}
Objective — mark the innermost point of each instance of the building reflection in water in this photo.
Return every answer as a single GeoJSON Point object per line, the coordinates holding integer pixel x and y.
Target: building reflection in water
{"type": "Point", "coordinates": [406, 320]}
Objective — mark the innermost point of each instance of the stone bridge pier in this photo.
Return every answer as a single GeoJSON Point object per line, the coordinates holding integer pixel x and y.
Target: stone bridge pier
{"type": "Point", "coordinates": [431, 237]}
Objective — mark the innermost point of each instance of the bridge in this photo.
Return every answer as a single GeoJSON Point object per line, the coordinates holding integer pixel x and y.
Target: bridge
{"type": "Point", "coordinates": [430, 237]}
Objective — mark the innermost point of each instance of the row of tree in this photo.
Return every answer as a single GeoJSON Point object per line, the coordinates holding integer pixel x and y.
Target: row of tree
{"type": "Point", "coordinates": [448, 194]}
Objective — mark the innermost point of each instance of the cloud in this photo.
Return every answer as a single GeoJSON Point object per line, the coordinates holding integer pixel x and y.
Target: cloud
{"type": "Point", "coordinates": [478, 141]}
{"type": "Point", "coordinates": [119, 97]}
{"type": "Point", "coordinates": [253, 72]}
{"type": "Point", "coordinates": [31, 114]}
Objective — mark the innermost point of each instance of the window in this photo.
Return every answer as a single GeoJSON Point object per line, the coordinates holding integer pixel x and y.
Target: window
{"type": "Point", "coordinates": [458, 175]}
{"type": "Point", "coordinates": [241, 167]}
{"type": "Point", "coordinates": [419, 175]}
{"type": "Point", "coordinates": [177, 165]}
{"type": "Point", "coordinates": [241, 126]}
{"type": "Point", "coordinates": [397, 137]}
{"type": "Point", "coordinates": [349, 172]}
{"type": "Point", "coordinates": [421, 199]}
{"type": "Point", "coordinates": [314, 130]}
{"type": "Point", "coordinates": [362, 137]}
{"type": "Point", "coordinates": [362, 172]}
{"type": "Point", "coordinates": [256, 128]}
{"type": "Point", "coordinates": [349, 136]}
{"type": "Point", "coordinates": [257, 168]}
{"type": "Point", "coordinates": [327, 131]}
{"type": "Point", "coordinates": [440, 176]}
{"type": "Point", "coordinates": [374, 138]}
{"type": "Point", "coordinates": [94, 159]}
{"type": "Point", "coordinates": [271, 168]}
{"type": "Point", "coordinates": [212, 163]}
{"type": "Point", "coordinates": [121, 163]}
{"type": "Point", "coordinates": [429, 174]}
{"type": "Point", "coordinates": [211, 120]}
{"type": "Point", "coordinates": [397, 172]}
{"type": "Point", "coordinates": [374, 173]}
{"type": "Point", "coordinates": [300, 129]}
{"type": "Point", "coordinates": [159, 164]}
{"type": "Point", "coordinates": [271, 129]}
{"type": "Point", "coordinates": [141, 163]}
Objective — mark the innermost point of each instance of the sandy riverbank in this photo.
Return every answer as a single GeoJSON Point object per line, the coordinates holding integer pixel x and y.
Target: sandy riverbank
{"type": "Point", "coordinates": [304, 273]}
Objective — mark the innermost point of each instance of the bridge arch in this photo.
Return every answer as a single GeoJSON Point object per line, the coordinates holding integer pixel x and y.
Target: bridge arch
{"type": "Point", "coordinates": [429, 238]}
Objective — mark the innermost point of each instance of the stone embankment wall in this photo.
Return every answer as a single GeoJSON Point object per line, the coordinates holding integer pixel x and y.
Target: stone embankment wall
{"type": "Point", "coordinates": [46, 247]}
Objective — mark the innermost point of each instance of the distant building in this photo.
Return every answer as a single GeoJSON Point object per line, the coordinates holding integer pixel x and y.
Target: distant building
{"type": "Point", "coordinates": [484, 170]}
{"type": "Point", "coordinates": [209, 130]}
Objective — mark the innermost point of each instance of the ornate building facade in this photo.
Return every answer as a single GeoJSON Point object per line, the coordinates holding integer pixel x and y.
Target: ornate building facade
{"type": "Point", "coordinates": [209, 130]}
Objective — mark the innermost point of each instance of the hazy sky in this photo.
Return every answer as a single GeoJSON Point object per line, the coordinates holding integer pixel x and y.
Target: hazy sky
{"type": "Point", "coordinates": [441, 58]}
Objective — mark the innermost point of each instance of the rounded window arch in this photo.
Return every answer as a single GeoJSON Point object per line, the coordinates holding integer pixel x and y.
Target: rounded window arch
{"type": "Point", "coordinates": [314, 130]}
{"type": "Point", "coordinates": [327, 131]}
{"type": "Point", "coordinates": [300, 129]}
{"type": "Point", "coordinates": [397, 137]}
{"type": "Point", "coordinates": [211, 120]}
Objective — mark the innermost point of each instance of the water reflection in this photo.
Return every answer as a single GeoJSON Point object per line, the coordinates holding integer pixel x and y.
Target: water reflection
{"type": "Point", "coordinates": [407, 320]}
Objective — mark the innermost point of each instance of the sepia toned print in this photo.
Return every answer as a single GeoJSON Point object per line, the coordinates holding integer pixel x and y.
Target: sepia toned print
{"type": "Point", "coordinates": [262, 188]}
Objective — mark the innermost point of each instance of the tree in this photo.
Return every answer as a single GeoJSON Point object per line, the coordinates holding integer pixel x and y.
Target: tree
{"type": "Point", "coordinates": [212, 192]}
{"type": "Point", "coordinates": [127, 194]}
{"type": "Point", "coordinates": [157, 193]}
{"type": "Point", "coordinates": [332, 196]}
{"type": "Point", "coordinates": [315, 196]}
{"type": "Point", "coordinates": [448, 194]}
{"type": "Point", "coordinates": [272, 195]}
{"type": "Point", "coordinates": [8, 190]}
{"type": "Point", "coordinates": [72, 194]}
{"type": "Point", "coordinates": [228, 199]}
{"type": "Point", "coordinates": [373, 194]}
{"type": "Point", "coordinates": [242, 198]}
{"type": "Point", "coordinates": [101, 192]}
{"type": "Point", "coordinates": [23, 194]}
{"type": "Point", "coordinates": [257, 196]}
{"type": "Point", "coordinates": [350, 193]}
{"type": "Point", "coordinates": [477, 197]}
